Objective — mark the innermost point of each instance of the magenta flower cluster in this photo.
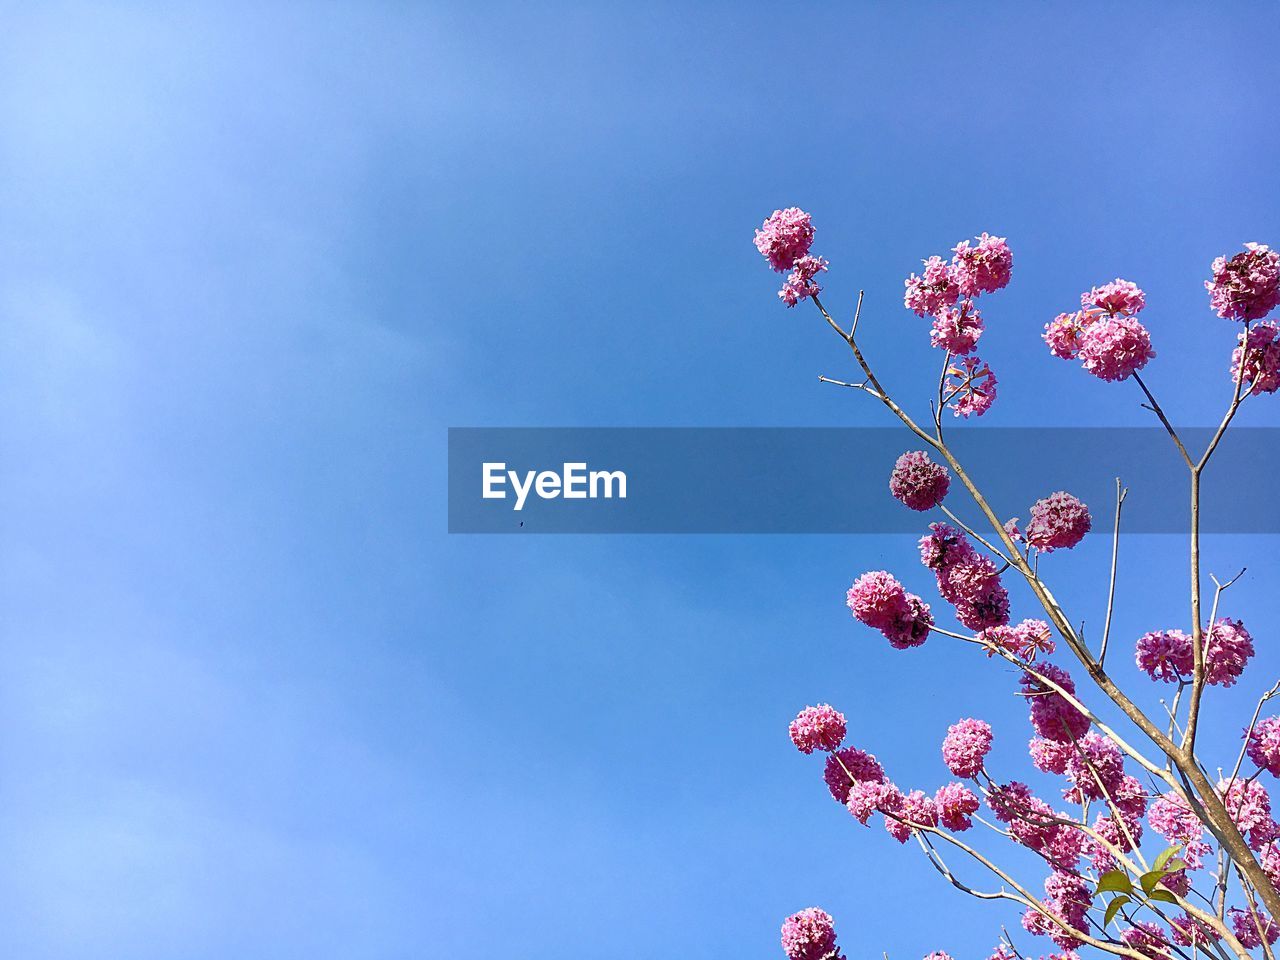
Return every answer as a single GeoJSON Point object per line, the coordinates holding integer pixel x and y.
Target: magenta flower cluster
{"type": "Point", "coordinates": [965, 747]}
{"type": "Point", "coordinates": [784, 240]}
{"type": "Point", "coordinates": [937, 292]}
{"type": "Point", "coordinates": [878, 600]}
{"type": "Point", "coordinates": [1264, 745]}
{"type": "Point", "coordinates": [967, 580]}
{"type": "Point", "coordinates": [1104, 334]}
{"type": "Point", "coordinates": [809, 935]}
{"type": "Point", "coordinates": [918, 482]}
{"type": "Point", "coordinates": [818, 728]}
{"type": "Point", "coordinates": [1169, 655]}
{"type": "Point", "coordinates": [970, 388]}
{"type": "Point", "coordinates": [1247, 285]}
{"type": "Point", "coordinates": [1058, 522]}
{"type": "Point", "coordinates": [1255, 363]}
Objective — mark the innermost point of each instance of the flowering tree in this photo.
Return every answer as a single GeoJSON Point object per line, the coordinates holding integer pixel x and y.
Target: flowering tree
{"type": "Point", "coordinates": [1207, 880]}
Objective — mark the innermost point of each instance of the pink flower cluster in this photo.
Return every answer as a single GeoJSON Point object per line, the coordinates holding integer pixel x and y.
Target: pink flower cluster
{"type": "Point", "coordinates": [1165, 655]}
{"type": "Point", "coordinates": [918, 482]}
{"type": "Point", "coordinates": [848, 767]}
{"type": "Point", "coordinates": [1246, 286]}
{"type": "Point", "coordinates": [1118, 296]}
{"type": "Point", "coordinates": [1173, 819]}
{"type": "Point", "coordinates": [982, 268]}
{"type": "Point", "coordinates": [1260, 371]}
{"type": "Point", "coordinates": [1104, 334]}
{"type": "Point", "coordinates": [934, 290]}
{"type": "Point", "coordinates": [1058, 522]}
{"type": "Point", "coordinates": [965, 747]}
{"type": "Point", "coordinates": [1147, 939]}
{"type": "Point", "coordinates": [1052, 715]}
{"type": "Point", "coordinates": [1250, 930]}
{"type": "Point", "coordinates": [1068, 899]}
{"type": "Point", "coordinates": [957, 329]}
{"type": "Point", "coordinates": [1025, 641]}
{"type": "Point", "coordinates": [975, 269]}
{"type": "Point", "coordinates": [809, 935]}
{"type": "Point", "coordinates": [1169, 655]}
{"type": "Point", "coordinates": [1264, 745]}
{"type": "Point", "coordinates": [818, 728]}
{"type": "Point", "coordinates": [784, 240]}
{"type": "Point", "coordinates": [970, 388]}
{"type": "Point", "coordinates": [1031, 823]}
{"type": "Point", "coordinates": [967, 580]}
{"type": "Point", "coordinates": [1190, 932]}
{"type": "Point", "coordinates": [1249, 806]}
{"type": "Point", "coordinates": [956, 803]}
{"type": "Point", "coordinates": [785, 237]}
{"type": "Point", "coordinates": [878, 600]}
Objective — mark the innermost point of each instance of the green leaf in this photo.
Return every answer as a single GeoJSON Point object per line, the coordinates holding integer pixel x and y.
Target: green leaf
{"type": "Point", "coordinates": [1163, 859]}
{"type": "Point", "coordinates": [1114, 881]}
{"type": "Point", "coordinates": [1150, 879]}
{"type": "Point", "coordinates": [1173, 866]}
{"type": "Point", "coordinates": [1113, 908]}
{"type": "Point", "coordinates": [1164, 896]}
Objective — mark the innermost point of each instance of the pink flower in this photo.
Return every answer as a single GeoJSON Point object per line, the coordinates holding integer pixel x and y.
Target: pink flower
{"type": "Point", "coordinates": [1251, 930]}
{"type": "Point", "coordinates": [1165, 655]}
{"type": "Point", "coordinates": [970, 387]}
{"type": "Point", "coordinates": [1114, 348]}
{"type": "Point", "coordinates": [918, 482]}
{"type": "Point", "coordinates": [849, 765]}
{"type": "Point", "coordinates": [1228, 647]}
{"type": "Point", "coordinates": [1025, 641]}
{"type": "Point", "coordinates": [1119, 296]}
{"type": "Point", "coordinates": [931, 292]}
{"type": "Point", "coordinates": [1262, 369]}
{"type": "Point", "coordinates": [973, 587]}
{"type": "Point", "coordinates": [1058, 522]}
{"type": "Point", "coordinates": [1248, 804]}
{"type": "Point", "coordinates": [1013, 531]}
{"type": "Point", "coordinates": [1188, 931]}
{"type": "Point", "coordinates": [1050, 756]}
{"type": "Point", "coordinates": [955, 803]}
{"type": "Point", "coordinates": [868, 796]}
{"type": "Point", "coordinates": [1094, 759]}
{"type": "Point", "coordinates": [785, 237]}
{"type": "Point", "coordinates": [916, 808]}
{"type": "Point", "coordinates": [943, 547]}
{"type": "Point", "coordinates": [877, 599]}
{"type": "Point", "coordinates": [1062, 335]}
{"type": "Point", "coordinates": [1030, 823]}
{"type": "Point", "coordinates": [809, 935]}
{"type": "Point", "coordinates": [1052, 715]}
{"type": "Point", "coordinates": [1247, 286]}
{"type": "Point", "coordinates": [912, 628]}
{"type": "Point", "coordinates": [938, 955]}
{"type": "Point", "coordinates": [984, 268]}
{"type": "Point", "coordinates": [1068, 899]}
{"type": "Point", "coordinates": [800, 283]}
{"type": "Point", "coordinates": [1264, 745]}
{"type": "Point", "coordinates": [957, 329]}
{"type": "Point", "coordinates": [966, 746]}
{"type": "Point", "coordinates": [1116, 835]}
{"type": "Point", "coordinates": [1146, 938]}
{"type": "Point", "coordinates": [818, 728]}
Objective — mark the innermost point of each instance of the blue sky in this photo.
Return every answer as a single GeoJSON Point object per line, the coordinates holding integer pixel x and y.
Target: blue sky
{"type": "Point", "coordinates": [256, 259]}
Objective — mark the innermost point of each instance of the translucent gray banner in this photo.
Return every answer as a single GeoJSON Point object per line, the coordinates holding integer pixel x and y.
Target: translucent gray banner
{"type": "Point", "coordinates": [835, 480]}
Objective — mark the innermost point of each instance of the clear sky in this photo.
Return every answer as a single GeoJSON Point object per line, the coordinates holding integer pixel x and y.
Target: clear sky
{"type": "Point", "coordinates": [255, 259]}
